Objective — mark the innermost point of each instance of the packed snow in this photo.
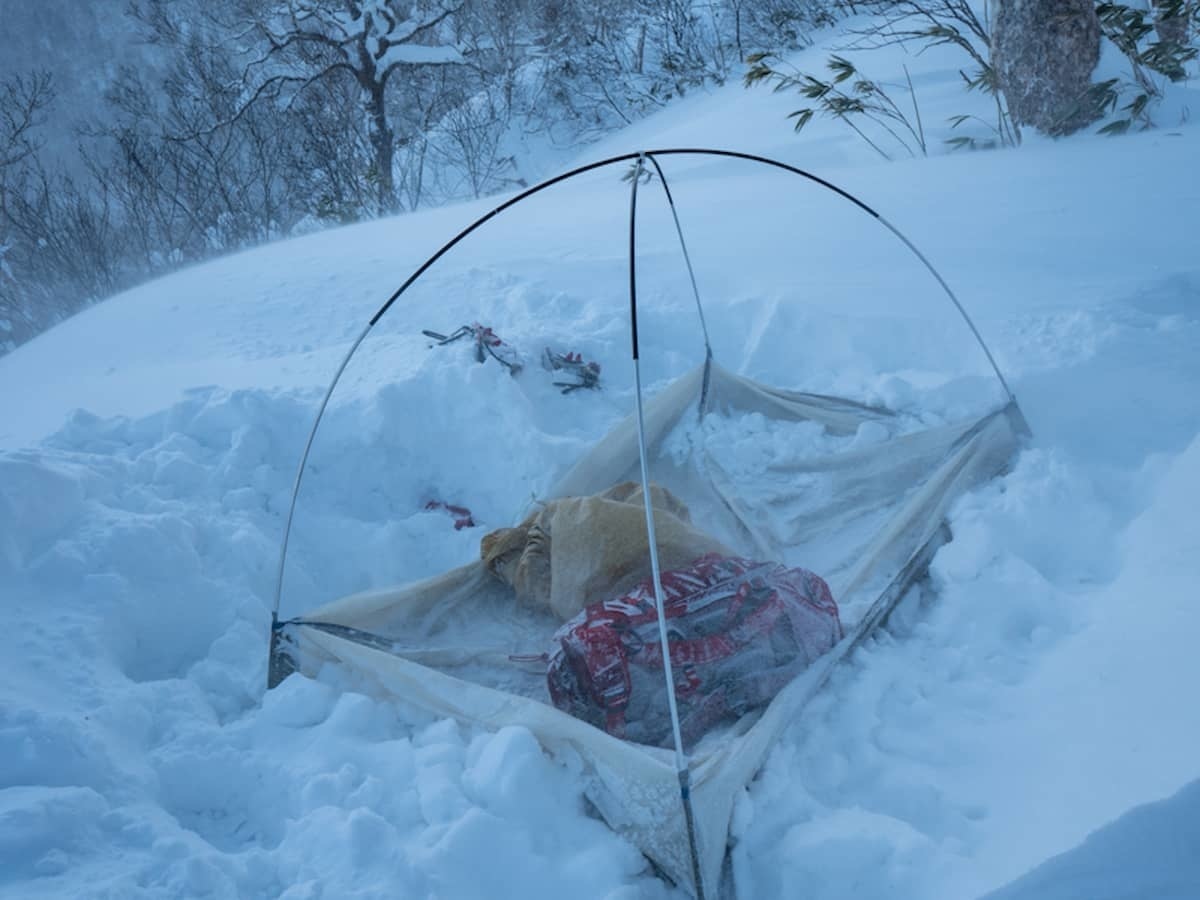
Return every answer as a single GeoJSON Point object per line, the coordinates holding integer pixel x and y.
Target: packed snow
{"type": "Point", "coordinates": [1025, 725]}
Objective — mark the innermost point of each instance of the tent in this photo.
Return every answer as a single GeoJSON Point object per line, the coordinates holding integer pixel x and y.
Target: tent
{"type": "Point", "coordinates": [867, 515]}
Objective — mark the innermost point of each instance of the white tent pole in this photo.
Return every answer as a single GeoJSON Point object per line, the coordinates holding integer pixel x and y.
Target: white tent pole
{"type": "Point", "coordinates": [656, 572]}
{"type": "Point", "coordinates": [287, 524]}
{"type": "Point", "coordinates": [953, 299]}
{"type": "Point", "coordinates": [681, 761]}
{"type": "Point", "coordinates": [687, 259]}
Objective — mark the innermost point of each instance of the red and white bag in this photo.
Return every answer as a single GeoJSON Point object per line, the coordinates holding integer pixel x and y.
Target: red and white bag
{"type": "Point", "coordinates": [738, 631]}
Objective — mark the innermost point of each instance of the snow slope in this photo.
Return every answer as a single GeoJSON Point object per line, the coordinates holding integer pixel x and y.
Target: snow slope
{"type": "Point", "coordinates": [1150, 851]}
{"type": "Point", "coordinates": [1037, 689]}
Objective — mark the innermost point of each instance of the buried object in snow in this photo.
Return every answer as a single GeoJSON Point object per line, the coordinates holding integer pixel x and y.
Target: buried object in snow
{"type": "Point", "coordinates": [738, 631]}
{"type": "Point", "coordinates": [461, 644]}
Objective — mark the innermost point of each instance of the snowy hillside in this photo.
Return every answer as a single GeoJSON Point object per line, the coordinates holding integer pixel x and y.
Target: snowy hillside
{"type": "Point", "coordinates": [1037, 689]}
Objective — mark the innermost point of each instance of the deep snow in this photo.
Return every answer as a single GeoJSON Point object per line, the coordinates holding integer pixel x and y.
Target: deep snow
{"type": "Point", "coordinates": [1038, 688]}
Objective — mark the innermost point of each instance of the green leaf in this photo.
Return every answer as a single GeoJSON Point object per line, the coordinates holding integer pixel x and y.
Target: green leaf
{"type": "Point", "coordinates": [1114, 128]}
{"type": "Point", "coordinates": [814, 89]}
{"type": "Point", "coordinates": [844, 106]}
{"type": "Point", "coordinates": [802, 117]}
{"type": "Point", "coordinates": [842, 69]}
{"type": "Point", "coordinates": [1137, 106]}
{"type": "Point", "coordinates": [1103, 96]}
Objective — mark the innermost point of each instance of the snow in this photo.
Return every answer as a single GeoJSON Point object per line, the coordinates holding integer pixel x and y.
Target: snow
{"type": "Point", "coordinates": [418, 55]}
{"type": "Point", "coordinates": [1036, 690]}
{"type": "Point", "coordinates": [1150, 851]}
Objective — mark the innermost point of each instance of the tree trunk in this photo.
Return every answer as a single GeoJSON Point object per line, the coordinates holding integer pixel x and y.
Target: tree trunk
{"type": "Point", "coordinates": [383, 147]}
{"type": "Point", "coordinates": [1043, 52]}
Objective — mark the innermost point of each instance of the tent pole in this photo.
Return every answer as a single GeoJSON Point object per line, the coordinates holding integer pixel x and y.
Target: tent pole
{"type": "Point", "coordinates": [683, 151]}
{"type": "Point", "coordinates": [641, 157]}
{"type": "Point", "coordinates": [687, 259]}
{"type": "Point", "coordinates": [953, 299]}
{"type": "Point", "coordinates": [287, 523]}
{"type": "Point", "coordinates": [702, 407]}
{"type": "Point", "coordinates": [681, 761]}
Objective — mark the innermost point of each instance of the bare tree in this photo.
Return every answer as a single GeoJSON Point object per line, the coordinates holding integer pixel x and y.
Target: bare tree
{"type": "Point", "coordinates": [23, 100]}
{"type": "Point", "coordinates": [292, 47]}
{"type": "Point", "coordinates": [224, 185]}
{"type": "Point", "coordinates": [240, 120]}
{"type": "Point", "coordinates": [62, 249]}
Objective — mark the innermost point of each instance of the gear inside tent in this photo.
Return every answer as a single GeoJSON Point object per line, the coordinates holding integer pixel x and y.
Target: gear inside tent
{"type": "Point", "coordinates": [787, 521]}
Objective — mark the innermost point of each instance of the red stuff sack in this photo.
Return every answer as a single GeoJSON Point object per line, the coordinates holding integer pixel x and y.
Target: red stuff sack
{"type": "Point", "coordinates": [738, 631]}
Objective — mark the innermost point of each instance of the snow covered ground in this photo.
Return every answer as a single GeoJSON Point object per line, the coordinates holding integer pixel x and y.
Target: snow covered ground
{"type": "Point", "coordinates": [1038, 689]}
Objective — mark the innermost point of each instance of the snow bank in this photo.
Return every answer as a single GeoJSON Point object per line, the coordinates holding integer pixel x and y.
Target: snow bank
{"type": "Point", "coordinates": [138, 762]}
{"type": "Point", "coordinates": [1007, 720]}
{"type": "Point", "coordinates": [1150, 851]}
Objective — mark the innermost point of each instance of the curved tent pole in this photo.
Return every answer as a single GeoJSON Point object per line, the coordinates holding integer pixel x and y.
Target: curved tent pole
{"type": "Point", "coordinates": [287, 523]}
{"type": "Point", "coordinates": [698, 151]}
{"type": "Point", "coordinates": [953, 299]}
{"type": "Point", "coordinates": [765, 160]}
{"type": "Point", "coordinates": [529, 192]}
{"type": "Point", "coordinates": [687, 259]}
{"type": "Point", "coordinates": [599, 164]}
{"type": "Point", "coordinates": [681, 761]}
{"type": "Point", "coordinates": [421, 270]}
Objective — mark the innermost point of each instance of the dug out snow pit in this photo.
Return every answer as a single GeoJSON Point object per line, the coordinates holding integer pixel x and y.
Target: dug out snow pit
{"type": "Point", "coordinates": [695, 621]}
